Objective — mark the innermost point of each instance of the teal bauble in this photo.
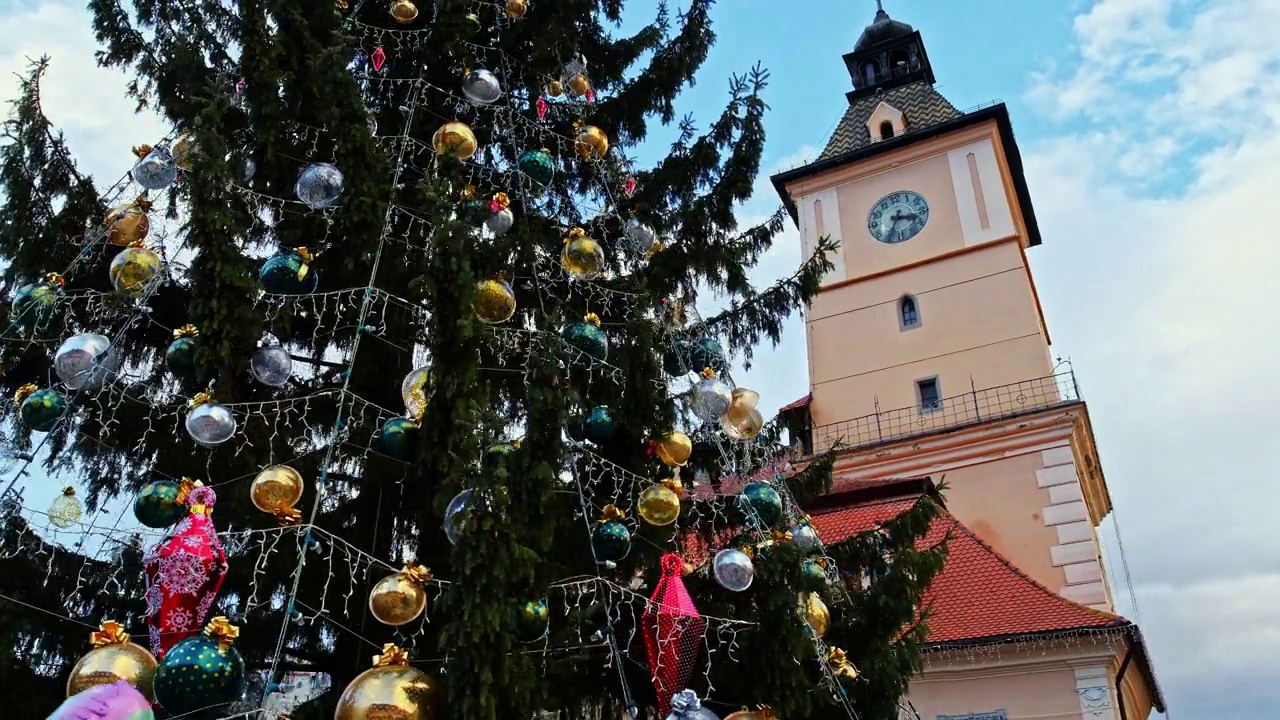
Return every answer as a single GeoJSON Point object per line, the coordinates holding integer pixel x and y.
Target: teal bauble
{"type": "Point", "coordinates": [587, 337]}
{"type": "Point", "coordinates": [399, 435]}
{"type": "Point", "coordinates": [598, 425]}
{"type": "Point", "coordinates": [289, 272]}
{"type": "Point", "coordinates": [676, 359]}
{"type": "Point", "coordinates": [706, 353]}
{"type": "Point", "coordinates": [812, 571]}
{"type": "Point", "coordinates": [42, 409]}
{"type": "Point", "coordinates": [537, 165]}
{"type": "Point", "coordinates": [611, 541]}
{"type": "Point", "coordinates": [198, 673]}
{"type": "Point", "coordinates": [180, 357]}
{"type": "Point", "coordinates": [764, 500]}
{"type": "Point", "coordinates": [159, 504]}
{"type": "Point", "coordinates": [34, 306]}
{"type": "Point", "coordinates": [533, 620]}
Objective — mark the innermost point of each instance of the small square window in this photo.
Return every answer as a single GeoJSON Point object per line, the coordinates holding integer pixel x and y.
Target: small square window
{"type": "Point", "coordinates": [930, 395]}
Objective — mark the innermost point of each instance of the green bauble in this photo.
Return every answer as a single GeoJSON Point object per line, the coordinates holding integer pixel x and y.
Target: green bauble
{"type": "Point", "coordinates": [706, 353]}
{"type": "Point", "coordinates": [533, 619]}
{"type": "Point", "coordinates": [813, 571]}
{"type": "Point", "coordinates": [587, 337]}
{"type": "Point", "coordinates": [197, 673]}
{"type": "Point", "coordinates": [598, 425]}
{"type": "Point", "coordinates": [157, 504]}
{"type": "Point", "coordinates": [399, 435]}
{"type": "Point", "coordinates": [289, 272]}
{"type": "Point", "coordinates": [538, 165]}
{"type": "Point", "coordinates": [42, 408]}
{"type": "Point", "coordinates": [764, 500]}
{"type": "Point", "coordinates": [180, 358]}
{"type": "Point", "coordinates": [34, 305]}
{"type": "Point", "coordinates": [611, 541]}
{"type": "Point", "coordinates": [676, 359]}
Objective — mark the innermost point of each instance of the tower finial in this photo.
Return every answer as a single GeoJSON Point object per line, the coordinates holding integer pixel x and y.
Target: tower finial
{"type": "Point", "coordinates": [879, 5]}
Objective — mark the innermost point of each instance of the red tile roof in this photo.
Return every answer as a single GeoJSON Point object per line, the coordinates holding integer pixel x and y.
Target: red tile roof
{"type": "Point", "coordinates": [979, 594]}
{"type": "Point", "coordinates": [802, 402]}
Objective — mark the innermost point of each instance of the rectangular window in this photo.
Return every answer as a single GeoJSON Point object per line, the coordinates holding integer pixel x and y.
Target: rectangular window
{"type": "Point", "coordinates": [930, 395]}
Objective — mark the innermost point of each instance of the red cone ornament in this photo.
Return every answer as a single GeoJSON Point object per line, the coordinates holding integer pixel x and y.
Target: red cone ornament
{"type": "Point", "coordinates": [184, 573]}
{"type": "Point", "coordinates": [672, 633]}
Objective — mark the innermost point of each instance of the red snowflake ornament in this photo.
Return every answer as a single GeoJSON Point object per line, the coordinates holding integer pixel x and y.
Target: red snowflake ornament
{"type": "Point", "coordinates": [183, 575]}
{"type": "Point", "coordinates": [672, 633]}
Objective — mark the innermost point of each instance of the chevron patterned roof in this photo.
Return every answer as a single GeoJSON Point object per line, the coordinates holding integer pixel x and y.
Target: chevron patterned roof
{"type": "Point", "coordinates": [921, 105]}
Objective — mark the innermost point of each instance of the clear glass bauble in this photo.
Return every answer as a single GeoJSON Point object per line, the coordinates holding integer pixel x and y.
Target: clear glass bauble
{"type": "Point", "coordinates": [481, 87]}
{"type": "Point", "coordinates": [711, 399]}
{"type": "Point", "coordinates": [133, 269]}
{"type": "Point", "coordinates": [319, 185]}
{"type": "Point", "coordinates": [211, 424]}
{"type": "Point", "coordinates": [457, 515]}
{"type": "Point", "coordinates": [414, 389]}
{"type": "Point", "coordinates": [85, 361]}
{"type": "Point", "coordinates": [744, 427]}
{"type": "Point", "coordinates": [271, 365]}
{"type": "Point", "coordinates": [734, 570]}
{"type": "Point", "coordinates": [66, 509]}
{"type": "Point", "coordinates": [500, 223]}
{"type": "Point", "coordinates": [156, 171]}
{"type": "Point", "coordinates": [805, 538]}
{"type": "Point", "coordinates": [641, 237]}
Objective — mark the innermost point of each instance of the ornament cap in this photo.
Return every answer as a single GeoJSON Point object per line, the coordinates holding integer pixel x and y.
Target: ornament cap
{"type": "Point", "coordinates": [68, 491]}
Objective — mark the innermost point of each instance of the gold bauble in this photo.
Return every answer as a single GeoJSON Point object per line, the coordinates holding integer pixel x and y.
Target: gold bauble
{"type": "Point", "coordinates": [494, 301]}
{"type": "Point", "coordinates": [762, 714]}
{"type": "Point", "coordinates": [182, 149]}
{"type": "Point", "coordinates": [582, 259]}
{"type": "Point", "coordinates": [579, 85]}
{"type": "Point", "coordinates": [126, 224]}
{"type": "Point", "coordinates": [398, 599]}
{"type": "Point", "coordinates": [456, 139]}
{"type": "Point", "coordinates": [674, 449]}
{"type": "Point", "coordinates": [659, 505]}
{"type": "Point", "coordinates": [816, 614]}
{"type": "Point", "coordinates": [115, 658]}
{"type": "Point", "coordinates": [404, 11]}
{"type": "Point", "coordinates": [517, 8]}
{"type": "Point", "coordinates": [590, 143]}
{"type": "Point", "coordinates": [391, 692]}
{"type": "Point", "coordinates": [555, 88]}
{"type": "Point", "coordinates": [743, 402]}
{"type": "Point", "coordinates": [276, 488]}
{"type": "Point", "coordinates": [743, 428]}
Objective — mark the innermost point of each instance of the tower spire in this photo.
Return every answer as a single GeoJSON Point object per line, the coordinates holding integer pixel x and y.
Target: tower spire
{"type": "Point", "coordinates": [879, 6]}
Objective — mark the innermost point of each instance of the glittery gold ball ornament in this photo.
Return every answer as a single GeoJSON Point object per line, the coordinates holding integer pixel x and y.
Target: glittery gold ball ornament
{"type": "Point", "coordinates": [391, 690]}
{"type": "Point", "coordinates": [65, 510]}
{"type": "Point", "coordinates": [495, 302]}
{"type": "Point", "coordinates": [183, 149]}
{"type": "Point", "coordinates": [555, 88]}
{"type": "Point", "coordinates": [404, 11]}
{"type": "Point", "coordinates": [128, 223]}
{"type": "Point", "coordinates": [456, 139]}
{"type": "Point", "coordinates": [579, 85]}
{"type": "Point", "coordinates": [816, 614]}
{"type": "Point", "coordinates": [659, 504]}
{"type": "Point", "coordinates": [113, 658]}
{"type": "Point", "coordinates": [517, 8]}
{"type": "Point", "coordinates": [132, 270]}
{"type": "Point", "coordinates": [414, 389]}
{"type": "Point", "coordinates": [400, 598]}
{"type": "Point", "coordinates": [583, 258]}
{"type": "Point", "coordinates": [590, 143]}
{"type": "Point", "coordinates": [674, 449]}
{"type": "Point", "coordinates": [276, 488]}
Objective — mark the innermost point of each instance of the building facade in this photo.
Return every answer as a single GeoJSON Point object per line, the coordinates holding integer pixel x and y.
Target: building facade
{"type": "Point", "coordinates": [929, 356]}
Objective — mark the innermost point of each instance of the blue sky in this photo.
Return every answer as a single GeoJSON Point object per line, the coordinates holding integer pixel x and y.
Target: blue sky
{"type": "Point", "coordinates": [1150, 130]}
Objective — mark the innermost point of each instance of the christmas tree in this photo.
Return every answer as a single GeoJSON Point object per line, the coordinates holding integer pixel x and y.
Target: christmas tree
{"type": "Point", "coordinates": [391, 350]}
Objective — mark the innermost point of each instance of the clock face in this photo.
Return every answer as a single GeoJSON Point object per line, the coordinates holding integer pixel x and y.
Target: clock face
{"type": "Point", "coordinates": [898, 217]}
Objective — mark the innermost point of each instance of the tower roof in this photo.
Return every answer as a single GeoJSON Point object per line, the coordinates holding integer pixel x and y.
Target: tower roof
{"type": "Point", "coordinates": [881, 29]}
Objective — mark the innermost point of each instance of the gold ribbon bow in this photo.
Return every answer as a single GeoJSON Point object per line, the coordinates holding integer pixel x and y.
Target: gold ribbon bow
{"type": "Point", "coordinates": [223, 631]}
{"type": "Point", "coordinates": [674, 485]}
{"type": "Point", "coordinates": [708, 373]}
{"type": "Point", "coordinates": [840, 665]}
{"type": "Point", "coordinates": [185, 486]}
{"type": "Point", "coordinates": [109, 632]}
{"type": "Point", "coordinates": [782, 536]}
{"type": "Point", "coordinates": [575, 234]}
{"type": "Point", "coordinates": [288, 516]}
{"type": "Point", "coordinates": [501, 201]}
{"type": "Point", "coordinates": [391, 656]}
{"type": "Point", "coordinates": [200, 399]}
{"type": "Point", "coordinates": [137, 244]}
{"type": "Point", "coordinates": [186, 331]}
{"type": "Point", "coordinates": [142, 203]}
{"type": "Point", "coordinates": [416, 574]}
{"type": "Point", "coordinates": [468, 192]}
{"type": "Point", "coordinates": [54, 279]}
{"type": "Point", "coordinates": [340, 4]}
{"type": "Point", "coordinates": [22, 392]}
{"type": "Point", "coordinates": [612, 512]}
{"type": "Point", "coordinates": [592, 318]}
{"type": "Point", "coordinates": [657, 247]}
{"type": "Point", "coordinates": [305, 254]}
{"type": "Point", "coordinates": [141, 151]}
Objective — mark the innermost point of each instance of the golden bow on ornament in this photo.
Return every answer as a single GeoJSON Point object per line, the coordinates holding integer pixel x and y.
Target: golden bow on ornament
{"type": "Point", "coordinates": [141, 151]}
{"type": "Point", "coordinates": [781, 536]}
{"type": "Point", "coordinates": [416, 574]}
{"type": "Point", "coordinates": [575, 234]}
{"type": "Point", "coordinates": [109, 632]}
{"type": "Point", "coordinates": [840, 665]}
{"type": "Point", "coordinates": [391, 656]}
{"type": "Point", "coordinates": [499, 202]}
{"type": "Point", "coordinates": [612, 512]}
{"type": "Point", "coordinates": [185, 486]}
{"type": "Point", "coordinates": [223, 631]}
{"type": "Point", "coordinates": [288, 516]}
{"type": "Point", "coordinates": [200, 399]}
{"type": "Point", "coordinates": [592, 318]}
{"type": "Point", "coordinates": [186, 331]}
{"type": "Point", "coordinates": [21, 393]}
{"type": "Point", "coordinates": [54, 279]}
{"type": "Point", "coordinates": [674, 485]}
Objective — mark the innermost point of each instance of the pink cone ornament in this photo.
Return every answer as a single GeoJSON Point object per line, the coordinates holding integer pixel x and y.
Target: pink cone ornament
{"type": "Point", "coordinates": [183, 575]}
{"type": "Point", "coordinates": [117, 701]}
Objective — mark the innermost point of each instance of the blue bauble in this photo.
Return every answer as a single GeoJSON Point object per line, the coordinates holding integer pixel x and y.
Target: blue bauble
{"type": "Point", "coordinates": [598, 425]}
{"type": "Point", "coordinates": [399, 436]}
{"type": "Point", "coordinates": [706, 353]}
{"type": "Point", "coordinates": [533, 620]}
{"type": "Point", "coordinates": [157, 505]}
{"type": "Point", "coordinates": [587, 337]}
{"type": "Point", "coordinates": [180, 357]}
{"type": "Point", "coordinates": [34, 305]}
{"type": "Point", "coordinates": [289, 272]}
{"type": "Point", "coordinates": [764, 500]}
{"type": "Point", "coordinates": [197, 673]}
{"type": "Point", "coordinates": [611, 541]}
{"type": "Point", "coordinates": [42, 409]}
{"type": "Point", "coordinates": [538, 165]}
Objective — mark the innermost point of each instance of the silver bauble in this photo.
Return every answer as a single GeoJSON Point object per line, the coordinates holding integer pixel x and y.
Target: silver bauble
{"type": "Point", "coordinates": [711, 399]}
{"type": "Point", "coordinates": [641, 236]}
{"type": "Point", "coordinates": [685, 705]}
{"type": "Point", "coordinates": [85, 361]}
{"type": "Point", "coordinates": [156, 171]}
{"type": "Point", "coordinates": [211, 424]}
{"type": "Point", "coordinates": [319, 185]}
{"type": "Point", "coordinates": [248, 169]}
{"type": "Point", "coordinates": [734, 570]}
{"type": "Point", "coordinates": [456, 516]}
{"type": "Point", "coordinates": [271, 365]}
{"type": "Point", "coordinates": [500, 222]}
{"type": "Point", "coordinates": [804, 537]}
{"type": "Point", "coordinates": [481, 87]}
{"type": "Point", "coordinates": [373, 125]}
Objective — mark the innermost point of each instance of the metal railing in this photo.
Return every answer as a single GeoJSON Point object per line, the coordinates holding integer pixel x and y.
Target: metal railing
{"type": "Point", "coordinates": [976, 406]}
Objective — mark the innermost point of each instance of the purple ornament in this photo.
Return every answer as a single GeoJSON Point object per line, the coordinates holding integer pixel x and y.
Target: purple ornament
{"type": "Point", "coordinates": [117, 701]}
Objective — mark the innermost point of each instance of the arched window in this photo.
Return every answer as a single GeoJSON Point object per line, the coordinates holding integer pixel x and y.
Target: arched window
{"type": "Point", "coordinates": [869, 72]}
{"type": "Point", "coordinates": [899, 63]}
{"type": "Point", "coordinates": [886, 130]}
{"type": "Point", "coordinates": [908, 313]}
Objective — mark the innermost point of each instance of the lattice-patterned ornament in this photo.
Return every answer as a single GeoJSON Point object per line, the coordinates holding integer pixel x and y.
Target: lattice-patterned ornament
{"type": "Point", "coordinates": [672, 633]}
{"type": "Point", "coordinates": [184, 574]}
